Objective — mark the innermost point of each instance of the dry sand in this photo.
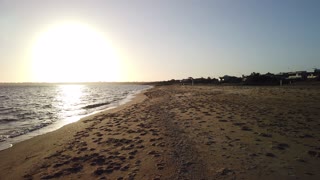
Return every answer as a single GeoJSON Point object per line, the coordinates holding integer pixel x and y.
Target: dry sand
{"type": "Point", "coordinates": [183, 132]}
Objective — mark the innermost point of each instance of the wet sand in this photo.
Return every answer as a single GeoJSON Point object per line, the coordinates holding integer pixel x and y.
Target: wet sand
{"type": "Point", "coordinates": [183, 132]}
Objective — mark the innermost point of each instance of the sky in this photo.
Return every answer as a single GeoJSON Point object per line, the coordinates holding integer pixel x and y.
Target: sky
{"type": "Point", "coordinates": [154, 40]}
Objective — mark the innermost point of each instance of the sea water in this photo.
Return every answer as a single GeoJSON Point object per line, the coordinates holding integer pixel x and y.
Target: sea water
{"type": "Point", "coordinates": [30, 110]}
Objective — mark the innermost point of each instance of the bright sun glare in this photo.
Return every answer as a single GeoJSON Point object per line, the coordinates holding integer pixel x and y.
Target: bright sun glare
{"type": "Point", "coordinates": [74, 52]}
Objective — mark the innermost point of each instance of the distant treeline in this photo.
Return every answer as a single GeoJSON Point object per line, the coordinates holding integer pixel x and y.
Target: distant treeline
{"type": "Point", "coordinates": [252, 79]}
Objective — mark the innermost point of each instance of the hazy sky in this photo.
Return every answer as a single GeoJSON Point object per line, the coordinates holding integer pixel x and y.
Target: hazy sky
{"type": "Point", "coordinates": [165, 39]}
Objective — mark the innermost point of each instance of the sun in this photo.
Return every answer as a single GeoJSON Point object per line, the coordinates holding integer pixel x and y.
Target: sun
{"type": "Point", "coordinates": [73, 52]}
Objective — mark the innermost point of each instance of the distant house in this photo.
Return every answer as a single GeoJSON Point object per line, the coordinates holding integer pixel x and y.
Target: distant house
{"type": "Point", "coordinates": [282, 76]}
{"type": "Point", "coordinates": [314, 75]}
{"type": "Point", "coordinates": [295, 76]}
{"type": "Point", "coordinates": [311, 76]}
{"type": "Point", "coordinates": [230, 79]}
{"type": "Point", "coordinates": [317, 73]}
{"type": "Point", "coordinates": [298, 75]}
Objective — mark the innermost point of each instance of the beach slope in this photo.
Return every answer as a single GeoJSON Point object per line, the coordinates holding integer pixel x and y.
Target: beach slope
{"type": "Point", "coordinates": [183, 132]}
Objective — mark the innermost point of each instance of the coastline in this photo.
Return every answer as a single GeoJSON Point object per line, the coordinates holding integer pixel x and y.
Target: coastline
{"type": "Point", "coordinates": [40, 146]}
{"type": "Point", "coordinates": [14, 139]}
{"type": "Point", "coordinates": [182, 132]}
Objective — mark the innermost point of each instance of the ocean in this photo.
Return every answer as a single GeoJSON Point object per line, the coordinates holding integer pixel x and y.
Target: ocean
{"type": "Point", "coordinates": [30, 110]}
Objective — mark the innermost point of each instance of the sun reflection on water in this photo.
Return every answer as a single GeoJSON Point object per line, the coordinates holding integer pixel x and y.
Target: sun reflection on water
{"type": "Point", "coordinates": [71, 94]}
{"type": "Point", "coordinates": [69, 98]}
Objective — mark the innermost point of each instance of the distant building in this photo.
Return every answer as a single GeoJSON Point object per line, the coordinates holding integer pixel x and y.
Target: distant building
{"type": "Point", "coordinates": [230, 79]}
{"type": "Point", "coordinates": [298, 75]}
{"type": "Point", "coordinates": [311, 76]}
{"type": "Point", "coordinates": [314, 75]}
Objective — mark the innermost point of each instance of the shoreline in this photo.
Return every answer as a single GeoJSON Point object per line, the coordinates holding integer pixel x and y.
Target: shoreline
{"type": "Point", "coordinates": [57, 125]}
{"type": "Point", "coordinates": [30, 148]}
{"type": "Point", "coordinates": [182, 132]}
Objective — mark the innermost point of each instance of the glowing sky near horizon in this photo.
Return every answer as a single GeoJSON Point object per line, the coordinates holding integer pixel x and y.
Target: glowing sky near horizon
{"type": "Point", "coordinates": [163, 39]}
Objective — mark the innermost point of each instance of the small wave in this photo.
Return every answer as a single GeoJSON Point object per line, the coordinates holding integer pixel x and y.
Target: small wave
{"type": "Point", "coordinates": [47, 106]}
{"type": "Point", "coordinates": [20, 132]}
{"type": "Point", "coordinates": [8, 120]}
{"type": "Point", "coordinates": [5, 113]}
{"type": "Point", "coordinates": [5, 109]}
{"type": "Point", "coordinates": [95, 105]}
{"type": "Point", "coordinates": [3, 138]}
{"type": "Point", "coordinates": [4, 97]}
{"type": "Point", "coordinates": [16, 133]}
{"type": "Point", "coordinates": [125, 93]}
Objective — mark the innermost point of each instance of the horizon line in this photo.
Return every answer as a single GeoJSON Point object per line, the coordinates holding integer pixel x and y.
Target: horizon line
{"type": "Point", "coordinates": [75, 82]}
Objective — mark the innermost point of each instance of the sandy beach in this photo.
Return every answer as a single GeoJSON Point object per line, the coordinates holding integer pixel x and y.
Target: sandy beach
{"type": "Point", "coordinates": [183, 132]}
